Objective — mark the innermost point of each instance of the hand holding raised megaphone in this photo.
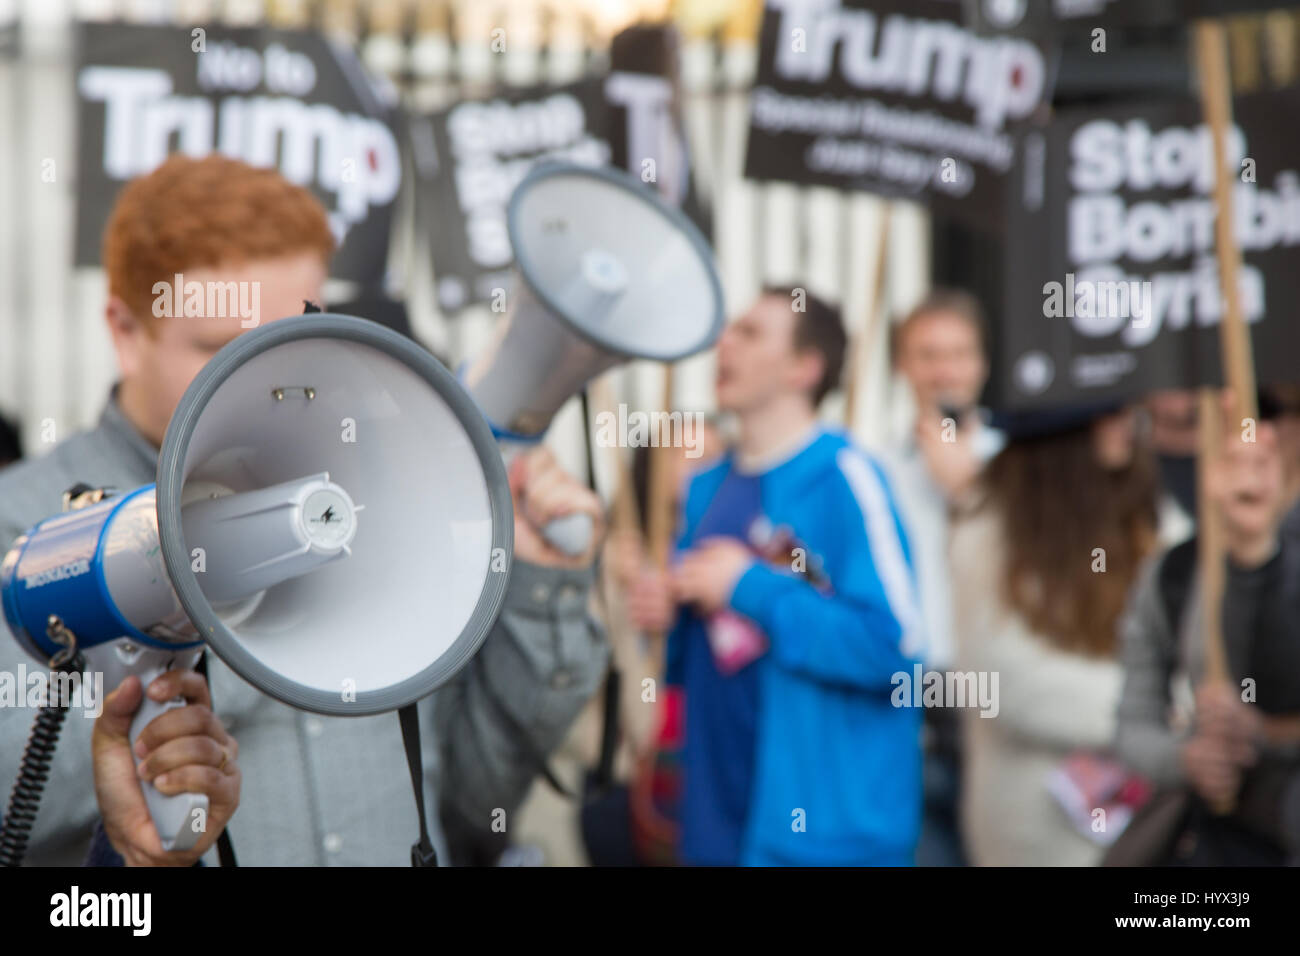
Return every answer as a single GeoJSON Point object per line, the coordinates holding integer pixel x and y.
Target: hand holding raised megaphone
{"type": "Point", "coordinates": [544, 494]}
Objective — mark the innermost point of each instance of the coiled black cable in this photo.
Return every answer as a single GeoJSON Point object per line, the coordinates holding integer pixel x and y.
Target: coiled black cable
{"type": "Point", "coordinates": [25, 799]}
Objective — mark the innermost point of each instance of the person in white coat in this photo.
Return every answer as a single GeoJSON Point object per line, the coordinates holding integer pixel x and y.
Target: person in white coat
{"type": "Point", "coordinates": [1043, 555]}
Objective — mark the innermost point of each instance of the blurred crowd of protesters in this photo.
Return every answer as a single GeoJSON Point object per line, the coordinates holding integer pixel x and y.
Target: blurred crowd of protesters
{"type": "Point", "coordinates": [1047, 559]}
{"type": "Point", "coordinates": [1051, 554]}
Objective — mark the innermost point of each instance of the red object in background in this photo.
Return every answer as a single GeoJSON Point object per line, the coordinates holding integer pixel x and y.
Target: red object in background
{"type": "Point", "coordinates": [1085, 783]}
{"type": "Point", "coordinates": [656, 785]}
{"type": "Point", "coordinates": [672, 723]}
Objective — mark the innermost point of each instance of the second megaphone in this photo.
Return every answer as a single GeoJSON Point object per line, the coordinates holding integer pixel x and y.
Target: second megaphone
{"type": "Point", "coordinates": [605, 271]}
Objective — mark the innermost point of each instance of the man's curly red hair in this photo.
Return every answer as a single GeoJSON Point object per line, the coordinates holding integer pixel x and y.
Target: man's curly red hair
{"type": "Point", "coordinates": [204, 213]}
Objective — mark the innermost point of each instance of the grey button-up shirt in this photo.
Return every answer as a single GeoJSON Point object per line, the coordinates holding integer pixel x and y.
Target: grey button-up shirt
{"type": "Point", "coordinates": [328, 791]}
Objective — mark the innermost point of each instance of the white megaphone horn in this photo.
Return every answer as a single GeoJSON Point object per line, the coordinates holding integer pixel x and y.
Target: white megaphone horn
{"type": "Point", "coordinates": [331, 517]}
{"type": "Point", "coordinates": [605, 271]}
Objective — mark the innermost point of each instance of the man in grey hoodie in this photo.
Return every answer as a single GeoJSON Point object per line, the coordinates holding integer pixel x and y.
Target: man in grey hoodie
{"type": "Point", "coordinates": [1235, 743]}
{"type": "Point", "coordinates": [315, 790]}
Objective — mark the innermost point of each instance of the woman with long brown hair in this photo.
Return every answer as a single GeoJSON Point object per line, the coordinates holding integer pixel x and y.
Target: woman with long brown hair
{"type": "Point", "coordinates": [1043, 558]}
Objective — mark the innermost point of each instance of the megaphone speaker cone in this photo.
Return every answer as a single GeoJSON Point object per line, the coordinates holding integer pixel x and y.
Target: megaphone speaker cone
{"type": "Point", "coordinates": [605, 271]}
{"type": "Point", "coordinates": [621, 267]}
{"type": "Point", "coordinates": [349, 489]}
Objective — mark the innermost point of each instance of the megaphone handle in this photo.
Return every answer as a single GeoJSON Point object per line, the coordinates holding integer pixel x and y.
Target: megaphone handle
{"type": "Point", "coordinates": [569, 533]}
{"type": "Point", "coordinates": [182, 818]}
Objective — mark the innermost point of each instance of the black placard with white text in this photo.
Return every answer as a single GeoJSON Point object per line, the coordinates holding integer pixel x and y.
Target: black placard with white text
{"type": "Point", "coordinates": [894, 97]}
{"type": "Point", "coordinates": [472, 156]}
{"type": "Point", "coordinates": [1111, 278]}
{"type": "Point", "coordinates": [646, 127]}
{"type": "Point", "coordinates": [1037, 17]}
{"type": "Point", "coordinates": [281, 98]}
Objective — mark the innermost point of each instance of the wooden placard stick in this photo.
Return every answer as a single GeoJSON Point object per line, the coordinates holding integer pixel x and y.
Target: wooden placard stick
{"type": "Point", "coordinates": [1209, 535]}
{"type": "Point", "coordinates": [625, 516]}
{"type": "Point", "coordinates": [860, 343]}
{"type": "Point", "coordinates": [661, 506]}
{"type": "Point", "coordinates": [1216, 103]}
{"type": "Point", "coordinates": [630, 655]}
{"type": "Point", "coordinates": [1235, 347]}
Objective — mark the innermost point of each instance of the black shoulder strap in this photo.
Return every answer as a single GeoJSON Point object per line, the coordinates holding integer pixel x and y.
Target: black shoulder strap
{"type": "Point", "coordinates": [422, 852]}
{"type": "Point", "coordinates": [609, 731]}
{"type": "Point", "coordinates": [1174, 580]}
{"type": "Point", "coordinates": [225, 849]}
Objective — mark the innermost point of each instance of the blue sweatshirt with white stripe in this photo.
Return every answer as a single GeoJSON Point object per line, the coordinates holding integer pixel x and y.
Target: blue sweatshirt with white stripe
{"type": "Point", "coordinates": [835, 776]}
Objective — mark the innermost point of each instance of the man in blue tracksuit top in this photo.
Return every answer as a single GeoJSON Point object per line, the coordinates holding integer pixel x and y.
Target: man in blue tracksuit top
{"type": "Point", "coordinates": [795, 607]}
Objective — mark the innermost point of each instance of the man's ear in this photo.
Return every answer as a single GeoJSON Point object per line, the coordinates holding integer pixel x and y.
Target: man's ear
{"type": "Point", "coordinates": [807, 369]}
{"type": "Point", "coordinates": [128, 334]}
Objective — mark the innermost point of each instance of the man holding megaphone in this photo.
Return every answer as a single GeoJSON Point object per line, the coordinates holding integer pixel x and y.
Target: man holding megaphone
{"type": "Point", "coordinates": [314, 790]}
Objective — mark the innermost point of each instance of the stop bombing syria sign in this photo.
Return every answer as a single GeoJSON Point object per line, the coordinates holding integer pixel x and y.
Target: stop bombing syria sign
{"type": "Point", "coordinates": [476, 152]}
{"type": "Point", "coordinates": [1111, 278]}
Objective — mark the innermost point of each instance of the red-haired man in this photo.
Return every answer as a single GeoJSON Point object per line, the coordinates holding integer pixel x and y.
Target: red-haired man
{"type": "Point", "coordinates": [315, 790]}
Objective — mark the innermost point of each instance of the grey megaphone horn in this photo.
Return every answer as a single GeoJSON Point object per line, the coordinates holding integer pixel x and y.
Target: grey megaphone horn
{"type": "Point", "coordinates": [605, 272]}
{"type": "Point", "coordinates": [331, 517]}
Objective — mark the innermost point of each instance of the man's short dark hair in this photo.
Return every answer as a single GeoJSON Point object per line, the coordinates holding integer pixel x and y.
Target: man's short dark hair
{"type": "Point", "coordinates": [818, 326]}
